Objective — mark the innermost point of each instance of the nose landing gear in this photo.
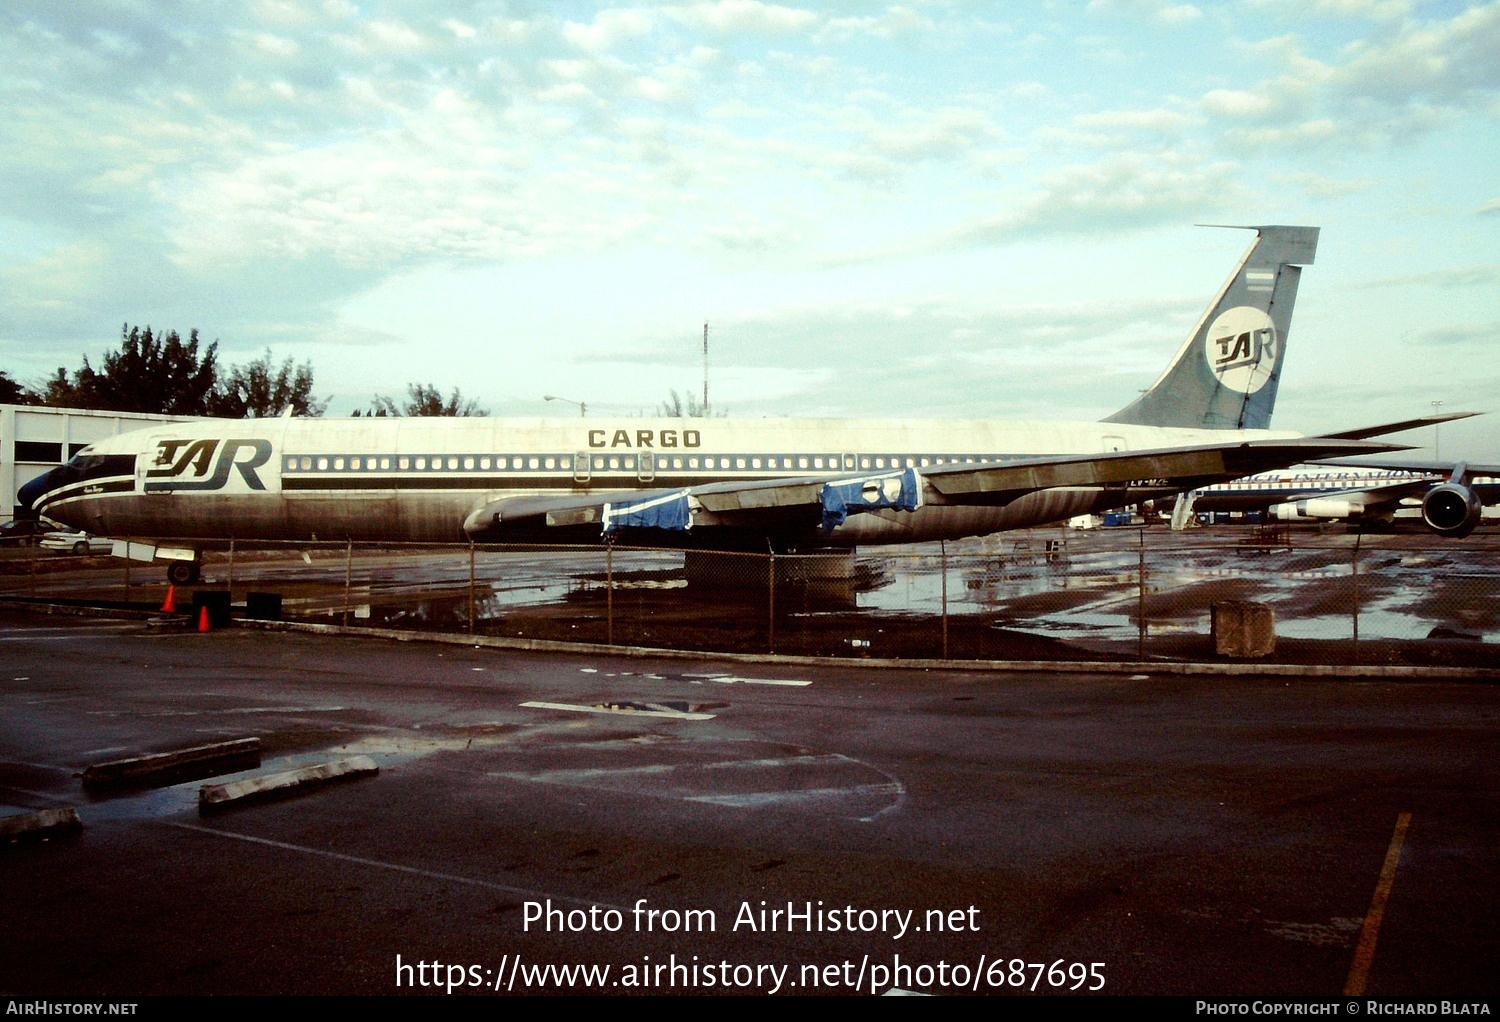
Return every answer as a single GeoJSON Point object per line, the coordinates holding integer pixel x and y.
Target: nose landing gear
{"type": "Point", "coordinates": [182, 573]}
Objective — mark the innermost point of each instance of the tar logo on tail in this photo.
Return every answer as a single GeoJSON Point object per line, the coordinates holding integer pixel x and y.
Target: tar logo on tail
{"type": "Point", "coordinates": [206, 464]}
{"type": "Point", "coordinates": [1241, 348]}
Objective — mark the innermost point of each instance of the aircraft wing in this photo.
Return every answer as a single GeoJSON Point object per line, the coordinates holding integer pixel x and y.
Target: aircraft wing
{"type": "Point", "coordinates": [1426, 466]}
{"type": "Point", "coordinates": [1387, 428]}
{"type": "Point", "coordinates": [1365, 499]}
{"type": "Point", "coordinates": [810, 501]}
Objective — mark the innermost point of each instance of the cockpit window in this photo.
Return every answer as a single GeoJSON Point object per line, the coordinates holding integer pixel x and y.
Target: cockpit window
{"type": "Point", "coordinates": [98, 466]}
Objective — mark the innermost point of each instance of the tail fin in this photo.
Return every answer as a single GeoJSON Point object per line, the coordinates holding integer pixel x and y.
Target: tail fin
{"type": "Point", "coordinates": [1225, 375]}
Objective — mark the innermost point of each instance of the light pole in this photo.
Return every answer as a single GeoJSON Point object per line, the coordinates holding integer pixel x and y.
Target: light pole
{"type": "Point", "coordinates": [583, 409]}
{"type": "Point", "coordinates": [1437, 447]}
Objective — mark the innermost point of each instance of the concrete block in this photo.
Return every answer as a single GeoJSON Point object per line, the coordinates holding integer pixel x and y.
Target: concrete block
{"type": "Point", "coordinates": [42, 823]}
{"type": "Point", "coordinates": [213, 797]}
{"type": "Point", "coordinates": [163, 768]}
{"type": "Point", "coordinates": [1244, 629]}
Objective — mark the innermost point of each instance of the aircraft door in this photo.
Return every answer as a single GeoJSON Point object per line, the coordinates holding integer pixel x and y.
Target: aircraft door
{"type": "Point", "coordinates": [1115, 443]}
{"type": "Point", "coordinates": [645, 466]}
{"type": "Point", "coordinates": [582, 466]}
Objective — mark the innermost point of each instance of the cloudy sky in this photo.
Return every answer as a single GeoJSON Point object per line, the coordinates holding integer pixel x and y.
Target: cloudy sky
{"type": "Point", "coordinates": [931, 208]}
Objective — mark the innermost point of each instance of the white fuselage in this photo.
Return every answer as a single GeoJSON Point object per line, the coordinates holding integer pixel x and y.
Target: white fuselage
{"type": "Point", "coordinates": [387, 479]}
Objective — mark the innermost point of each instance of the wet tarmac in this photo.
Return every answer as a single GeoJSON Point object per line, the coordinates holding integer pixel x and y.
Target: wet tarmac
{"type": "Point", "coordinates": [580, 823]}
{"type": "Point", "coordinates": [1406, 599]}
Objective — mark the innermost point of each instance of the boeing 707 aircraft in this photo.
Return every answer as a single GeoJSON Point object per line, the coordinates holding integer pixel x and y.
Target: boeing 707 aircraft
{"type": "Point", "coordinates": [790, 484]}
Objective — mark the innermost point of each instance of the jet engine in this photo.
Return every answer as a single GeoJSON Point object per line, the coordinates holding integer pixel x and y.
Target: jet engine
{"type": "Point", "coordinates": [1315, 508]}
{"type": "Point", "coordinates": [1452, 509]}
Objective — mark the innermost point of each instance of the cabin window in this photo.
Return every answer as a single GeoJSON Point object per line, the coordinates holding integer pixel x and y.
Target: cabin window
{"type": "Point", "coordinates": [322, 464]}
{"type": "Point", "coordinates": [739, 462]}
{"type": "Point", "coordinates": [338, 463]}
{"type": "Point", "coordinates": [469, 464]}
{"type": "Point", "coordinates": [692, 463]}
{"type": "Point", "coordinates": [550, 463]}
{"type": "Point", "coordinates": [421, 463]}
{"type": "Point", "coordinates": [566, 461]}
{"type": "Point", "coordinates": [484, 463]}
{"type": "Point", "coordinates": [385, 463]}
{"type": "Point", "coordinates": [533, 463]}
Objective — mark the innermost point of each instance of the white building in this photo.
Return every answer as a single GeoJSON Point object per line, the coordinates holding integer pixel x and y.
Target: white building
{"type": "Point", "coordinates": [34, 439]}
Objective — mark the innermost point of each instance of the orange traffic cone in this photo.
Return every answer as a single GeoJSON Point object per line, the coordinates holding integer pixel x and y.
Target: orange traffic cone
{"type": "Point", "coordinates": [203, 625]}
{"type": "Point", "coordinates": [169, 605]}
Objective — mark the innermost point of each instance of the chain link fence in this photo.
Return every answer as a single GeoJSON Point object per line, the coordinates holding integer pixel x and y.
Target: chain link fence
{"type": "Point", "coordinates": [1108, 594]}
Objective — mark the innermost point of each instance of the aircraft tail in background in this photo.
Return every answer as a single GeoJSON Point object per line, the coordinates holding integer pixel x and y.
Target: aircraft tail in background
{"type": "Point", "coordinates": [1225, 374]}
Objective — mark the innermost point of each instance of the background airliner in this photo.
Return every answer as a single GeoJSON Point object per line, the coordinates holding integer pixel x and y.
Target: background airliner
{"type": "Point", "coordinates": [1449, 498]}
{"type": "Point", "coordinates": [790, 484]}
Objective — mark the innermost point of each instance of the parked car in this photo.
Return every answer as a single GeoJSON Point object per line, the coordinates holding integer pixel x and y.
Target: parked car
{"type": "Point", "coordinates": [23, 531]}
{"type": "Point", "coordinates": [76, 542]}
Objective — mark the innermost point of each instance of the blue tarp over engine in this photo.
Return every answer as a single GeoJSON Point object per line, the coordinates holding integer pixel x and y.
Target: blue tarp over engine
{"type": "Point", "coordinates": [670, 512]}
{"type": "Point", "coordinates": [902, 491]}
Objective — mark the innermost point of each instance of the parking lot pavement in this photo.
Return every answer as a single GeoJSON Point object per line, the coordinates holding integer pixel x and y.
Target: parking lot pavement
{"type": "Point", "coordinates": [581, 823]}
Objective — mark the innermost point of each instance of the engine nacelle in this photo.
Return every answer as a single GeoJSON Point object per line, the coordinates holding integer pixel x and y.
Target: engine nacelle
{"type": "Point", "coordinates": [1313, 509]}
{"type": "Point", "coordinates": [1452, 509]}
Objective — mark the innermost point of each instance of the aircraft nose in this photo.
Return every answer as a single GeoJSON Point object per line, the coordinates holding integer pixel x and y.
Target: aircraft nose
{"type": "Point", "coordinates": [30, 494]}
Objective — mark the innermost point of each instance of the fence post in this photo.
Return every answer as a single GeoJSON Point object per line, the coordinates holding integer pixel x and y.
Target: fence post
{"type": "Point", "coordinates": [348, 577]}
{"type": "Point", "coordinates": [1140, 605]}
{"type": "Point", "coordinates": [609, 593]}
{"type": "Point", "coordinates": [471, 587]}
{"type": "Point", "coordinates": [943, 560]}
{"type": "Point", "coordinates": [771, 589]}
{"type": "Point", "coordinates": [229, 584]}
{"type": "Point", "coordinates": [1354, 577]}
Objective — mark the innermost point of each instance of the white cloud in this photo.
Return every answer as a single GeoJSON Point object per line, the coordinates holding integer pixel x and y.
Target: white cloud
{"type": "Point", "coordinates": [1378, 90]}
{"type": "Point", "coordinates": [1156, 10]}
{"type": "Point", "coordinates": [609, 29]}
{"type": "Point", "coordinates": [743, 16]}
{"type": "Point", "coordinates": [1236, 103]}
{"type": "Point", "coordinates": [1365, 10]}
{"type": "Point", "coordinates": [1138, 120]}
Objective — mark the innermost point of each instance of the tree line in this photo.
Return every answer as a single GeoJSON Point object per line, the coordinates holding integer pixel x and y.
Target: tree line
{"type": "Point", "coordinates": [160, 373]}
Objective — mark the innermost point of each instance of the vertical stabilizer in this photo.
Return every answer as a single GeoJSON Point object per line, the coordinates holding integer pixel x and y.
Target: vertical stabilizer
{"type": "Point", "coordinates": [1226, 373]}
